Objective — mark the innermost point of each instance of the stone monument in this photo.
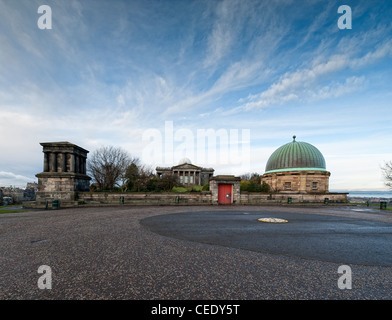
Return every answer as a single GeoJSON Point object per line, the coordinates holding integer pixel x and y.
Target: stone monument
{"type": "Point", "coordinates": [64, 172]}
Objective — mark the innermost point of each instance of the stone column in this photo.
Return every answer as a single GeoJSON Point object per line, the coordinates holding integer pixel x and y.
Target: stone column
{"type": "Point", "coordinates": [84, 165]}
{"type": "Point", "coordinates": [77, 164]}
{"type": "Point", "coordinates": [61, 165]}
{"type": "Point", "coordinates": [46, 162]}
{"type": "Point", "coordinates": [64, 162]}
{"type": "Point", "coordinates": [67, 162]}
{"type": "Point", "coordinates": [72, 163]}
{"type": "Point", "coordinates": [52, 162]}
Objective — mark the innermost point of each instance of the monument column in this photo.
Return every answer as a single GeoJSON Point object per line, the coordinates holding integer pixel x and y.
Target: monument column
{"type": "Point", "coordinates": [46, 162]}
{"type": "Point", "coordinates": [52, 162]}
{"type": "Point", "coordinates": [72, 162]}
{"type": "Point", "coordinates": [62, 167]}
{"type": "Point", "coordinates": [84, 165]}
{"type": "Point", "coordinates": [76, 163]}
{"type": "Point", "coordinates": [81, 165]}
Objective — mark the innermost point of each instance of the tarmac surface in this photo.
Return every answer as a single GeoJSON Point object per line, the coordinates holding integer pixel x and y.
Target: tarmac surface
{"type": "Point", "coordinates": [309, 236]}
{"type": "Point", "coordinates": [196, 252]}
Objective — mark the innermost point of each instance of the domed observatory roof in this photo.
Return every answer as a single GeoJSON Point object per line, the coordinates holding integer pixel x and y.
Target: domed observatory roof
{"type": "Point", "coordinates": [184, 161]}
{"type": "Point", "coordinates": [296, 156]}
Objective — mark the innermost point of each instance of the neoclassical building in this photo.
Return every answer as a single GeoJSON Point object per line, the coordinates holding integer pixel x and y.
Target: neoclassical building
{"type": "Point", "coordinates": [297, 167]}
{"type": "Point", "coordinates": [187, 173]}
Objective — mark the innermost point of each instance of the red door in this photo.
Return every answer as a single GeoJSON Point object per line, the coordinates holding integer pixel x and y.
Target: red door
{"type": "Point", "coordinates": [225, 193]}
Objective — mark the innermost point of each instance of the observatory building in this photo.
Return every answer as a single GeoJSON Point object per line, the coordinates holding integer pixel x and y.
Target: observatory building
{"type": "Point", "coordinates": [297, 167]}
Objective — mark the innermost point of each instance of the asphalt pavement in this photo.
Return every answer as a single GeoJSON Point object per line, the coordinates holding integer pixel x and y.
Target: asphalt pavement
{"type": "Point", "coordinates": [195, 252]}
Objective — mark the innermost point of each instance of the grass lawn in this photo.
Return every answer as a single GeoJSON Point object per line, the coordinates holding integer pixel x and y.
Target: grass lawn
{"type": "Point", "coordinates": [3, 209]}
{"type": "Point", "coordinates": [371, 205]}
{"type": "Point", "coordinates": [10, 211]}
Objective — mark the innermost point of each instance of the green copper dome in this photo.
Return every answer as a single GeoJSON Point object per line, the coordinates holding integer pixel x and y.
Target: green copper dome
{"type": "Point", "coordinates": [296, 156]}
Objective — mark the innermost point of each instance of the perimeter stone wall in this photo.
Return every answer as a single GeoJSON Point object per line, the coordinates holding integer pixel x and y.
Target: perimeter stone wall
{"type": "Point", "coordinates": [75, 199]}
{"type": "Point", "coordinates": [137, 198]}
{"type": "Point", "coordinates": [282, 198]}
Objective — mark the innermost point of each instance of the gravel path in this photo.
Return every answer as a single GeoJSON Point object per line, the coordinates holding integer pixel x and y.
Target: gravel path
{"type": "Point", "coordinates": [105, 253]}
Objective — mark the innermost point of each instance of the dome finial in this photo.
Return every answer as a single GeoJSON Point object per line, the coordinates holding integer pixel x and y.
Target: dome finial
{"type": "Point", "coordinates": [294, 138]}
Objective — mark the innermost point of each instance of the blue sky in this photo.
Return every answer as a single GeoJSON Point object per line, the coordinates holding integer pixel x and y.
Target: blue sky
{"type": "Point", "coordinates": [111, 72]}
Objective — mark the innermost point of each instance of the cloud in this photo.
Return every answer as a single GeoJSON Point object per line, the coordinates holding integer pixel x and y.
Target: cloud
{"type": "Point", "coordinates": [10, 178]}
{"type": "Point", "coordinates": [224, 32]}
{"type": "Point", "coordinates": [336, 89]}
{"type": "Point", "coordinates": [304, 84]}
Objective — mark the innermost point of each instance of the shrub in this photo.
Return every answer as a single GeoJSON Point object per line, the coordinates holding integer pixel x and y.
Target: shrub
{"type": "Point", "coordinates": [179, 189]}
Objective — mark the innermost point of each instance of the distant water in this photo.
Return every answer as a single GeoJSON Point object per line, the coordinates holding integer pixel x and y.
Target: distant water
{"type": "Point", "coordinates": [369, 194]}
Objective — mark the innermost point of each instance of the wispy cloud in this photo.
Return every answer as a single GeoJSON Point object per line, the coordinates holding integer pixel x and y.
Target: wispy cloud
{"type": "Point", "coordinates": [228, 19]}
{"type": "Point", "coordinates": [304, 84]}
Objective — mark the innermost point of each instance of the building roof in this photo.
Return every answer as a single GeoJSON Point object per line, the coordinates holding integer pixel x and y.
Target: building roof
{"type": "Point", "coordinates": [184, 164]}
{"type": "Point", "coordinates": [295, 156]}
{"type": "Point", "coordinates": [60, 146]}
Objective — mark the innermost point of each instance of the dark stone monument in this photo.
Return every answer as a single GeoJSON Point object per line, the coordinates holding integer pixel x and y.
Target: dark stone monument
{"type": "Point", "coordinates": [64, 172]}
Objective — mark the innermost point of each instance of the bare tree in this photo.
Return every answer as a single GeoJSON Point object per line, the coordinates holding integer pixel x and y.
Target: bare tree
{"type": "Point", "coordinates": [387, 172]}
{"type": "Point", "coordinates": [108, 165]}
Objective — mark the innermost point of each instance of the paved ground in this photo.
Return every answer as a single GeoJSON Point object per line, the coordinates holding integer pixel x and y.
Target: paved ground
{"type": "Point", "coordinates": [123, 253]}
{"type": "Point", "coordinates": [310, 236]}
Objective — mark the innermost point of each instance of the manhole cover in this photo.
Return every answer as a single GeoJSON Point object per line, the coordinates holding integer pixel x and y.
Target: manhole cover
{"type": "Point", "coordinates": [272, 220]}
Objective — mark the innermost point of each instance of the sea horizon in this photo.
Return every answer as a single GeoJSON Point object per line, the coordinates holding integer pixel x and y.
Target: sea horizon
{"type": "Point", "coordinates": [366, 194]}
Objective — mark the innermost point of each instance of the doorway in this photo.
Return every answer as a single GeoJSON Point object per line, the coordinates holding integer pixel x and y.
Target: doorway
{"type": "Point", "coordinates": [225, 193]}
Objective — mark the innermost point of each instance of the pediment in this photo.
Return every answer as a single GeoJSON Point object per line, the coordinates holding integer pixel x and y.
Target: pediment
{"type": "Point", "coordinates": [186, 166]}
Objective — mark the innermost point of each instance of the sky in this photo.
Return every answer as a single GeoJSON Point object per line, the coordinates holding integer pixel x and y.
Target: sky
{"type": "Point", "coordinates": [224, 83]}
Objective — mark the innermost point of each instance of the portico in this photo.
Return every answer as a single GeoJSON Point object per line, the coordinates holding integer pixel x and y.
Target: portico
{"type": "Point", "coordinates": [187, 173]}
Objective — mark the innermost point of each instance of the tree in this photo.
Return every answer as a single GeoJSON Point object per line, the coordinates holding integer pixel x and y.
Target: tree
{"type": "Point", "coordinates": [166, 182]}
{"type": "Point", "coordinates": [387, 172]}
{"type": "Point", "coordinates": [251, 182]}
{"type": "Point", "coordinates": [265, 187]}
{"type": "Point", "coordinates": [107, 166]}
{"type": "Point", "coordinates": [138, 177]}
{"type": "Point", "coordinates": [131, 176]}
